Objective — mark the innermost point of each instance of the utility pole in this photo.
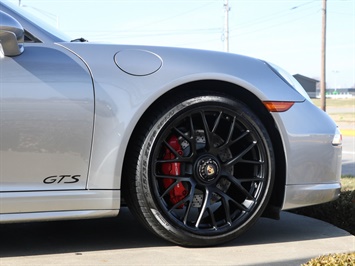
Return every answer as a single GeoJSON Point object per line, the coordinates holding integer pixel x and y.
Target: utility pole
{"type": "Point", "coordinates": [323, 56]}
{"type": "Point", "coordinates": [226, 26]}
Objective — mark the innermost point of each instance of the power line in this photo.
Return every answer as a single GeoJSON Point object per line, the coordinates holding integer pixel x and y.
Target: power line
{"type": "Point", "coordinates": [304, 4]}
{"type": "Point", "coordinates": [272, 26]}
{"type": "Point", "coordinates": [273, 16]}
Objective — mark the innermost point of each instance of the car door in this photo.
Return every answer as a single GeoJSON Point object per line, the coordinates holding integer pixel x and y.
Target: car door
{"type": "Point", "coordinates": [46, 120]}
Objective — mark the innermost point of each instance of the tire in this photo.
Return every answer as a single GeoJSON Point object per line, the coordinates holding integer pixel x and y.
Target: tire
{"type": "Point", "coordinates": [200, 171]}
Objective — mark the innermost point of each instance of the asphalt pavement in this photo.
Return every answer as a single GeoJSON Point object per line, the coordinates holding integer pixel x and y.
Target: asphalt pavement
{"type": "Point", "coordinates": [123, 241]}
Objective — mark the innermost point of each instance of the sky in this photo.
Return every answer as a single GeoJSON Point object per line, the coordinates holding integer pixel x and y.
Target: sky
{"type": "Point", "coordinates": [284, 32]}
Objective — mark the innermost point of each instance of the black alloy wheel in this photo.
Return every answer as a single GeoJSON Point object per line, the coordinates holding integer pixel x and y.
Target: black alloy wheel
{"type": "Point", "coordinates": [204, 171]}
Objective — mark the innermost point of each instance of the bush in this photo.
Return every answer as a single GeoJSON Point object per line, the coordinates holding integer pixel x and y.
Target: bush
{"type": "Point", "coordinates": [339, 212]}
{"type": "Point", "coordinates": [332, 260]}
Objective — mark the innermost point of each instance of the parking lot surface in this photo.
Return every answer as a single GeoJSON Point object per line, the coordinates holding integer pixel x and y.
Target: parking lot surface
{"type": "Point", "coordinates": [123, 241]}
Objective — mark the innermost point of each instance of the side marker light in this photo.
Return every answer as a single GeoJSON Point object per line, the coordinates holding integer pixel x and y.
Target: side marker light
{"type": "Point", "coordinates": [278, 106]}
{"type": "Point", "coordinates": [338, 138]}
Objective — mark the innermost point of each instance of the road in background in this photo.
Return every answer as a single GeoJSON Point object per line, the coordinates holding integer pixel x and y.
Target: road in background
{"type": "Point", "coordinates": [343, 113]}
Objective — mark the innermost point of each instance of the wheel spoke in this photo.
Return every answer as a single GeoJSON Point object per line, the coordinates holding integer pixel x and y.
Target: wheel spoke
{"type": "Point", "coordinates": [230, 133]}
{"type": "Point", "coordinates": [187, 212]}
{"type": "Point", "coordinates": [184, 136]}
{"type": "Point", "coordinates": [169, 188]}
{"type": "Point", "coordinates": [178, 204]}
{"type": "Point", "coordinates": [227, 199]}
{"type": "Point", "coordinates": [193, 136]}
{"type": "Point", "coordinates": [178, 178]}
{"type": "Point", "coordinates": [227, 210]}
{"type": "Point", "coordinates": [229, 142]}
{"type": "Point", "coordinates": [260, 162]}
{"type": "Point", "coordinates": [216, 122]}
{"type": "Point", "coordinates": [252, 179]}
{"type": "Point", "coordinates": [239, 157]}
{"type": "Point", "coordinates": [177, 155]}
{"type": "Point", "coordinates": [208, 133]}
{"type": "Point", "coordinates": [176, 160]}
{"type": "Point", "coordinates": [213, 219]}
{"type": "Point", "coordinates": [239, 186]}
{"type": "Point", "coordinates": [190, 200]}
{"type": "Point", "coordinates": [204, 207]}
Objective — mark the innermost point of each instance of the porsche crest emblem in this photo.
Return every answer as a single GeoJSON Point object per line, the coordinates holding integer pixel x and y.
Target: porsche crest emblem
{"type": "Point", "coordinates": [210, 169]}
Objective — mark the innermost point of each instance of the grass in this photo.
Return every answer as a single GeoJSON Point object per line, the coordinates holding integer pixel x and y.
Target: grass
{"type": "Point", "coordinates": [334, 103]}
{"type": "Point", "coordinates": [340, 110]}
{"type": "Point", "coordinates": [348, 183]}
{"type": "Point", "coordinates": [343, 117]}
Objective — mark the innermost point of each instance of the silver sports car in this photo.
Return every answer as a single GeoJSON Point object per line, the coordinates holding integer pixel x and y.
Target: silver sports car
{"type": "Point", "coordinates": [198, 144]}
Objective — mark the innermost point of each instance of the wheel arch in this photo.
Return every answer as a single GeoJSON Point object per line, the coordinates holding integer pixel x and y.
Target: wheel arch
{"type": "Point", "coordinates": [254, 103]}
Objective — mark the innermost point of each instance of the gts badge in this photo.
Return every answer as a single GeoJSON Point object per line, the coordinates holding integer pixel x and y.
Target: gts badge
{"type": "Point", "coordinates": [61, 179]}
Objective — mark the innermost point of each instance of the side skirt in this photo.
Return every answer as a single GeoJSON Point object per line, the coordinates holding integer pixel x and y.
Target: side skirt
{"type": "Point", "coordinates": [58, 205]}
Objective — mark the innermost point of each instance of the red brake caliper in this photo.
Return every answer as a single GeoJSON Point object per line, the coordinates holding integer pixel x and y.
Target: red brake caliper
{"type": "Point", "coordinates": [174, 169]}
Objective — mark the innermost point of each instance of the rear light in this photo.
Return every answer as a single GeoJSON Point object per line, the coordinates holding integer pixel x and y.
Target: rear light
{"type": "Point", "coordinates": [338, 138]}
{"type": "Point", "coordinates": [278, 106]}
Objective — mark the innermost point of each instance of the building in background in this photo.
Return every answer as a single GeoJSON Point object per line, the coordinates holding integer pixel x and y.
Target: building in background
{"type": "Point", "coordinates": [310, 85]}
{"type": "Point", "coordinates": [312, 88]}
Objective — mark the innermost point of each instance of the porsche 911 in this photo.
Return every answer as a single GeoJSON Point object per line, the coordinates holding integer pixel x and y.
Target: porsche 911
{"type": "Point", "coordinates": [198, 144]}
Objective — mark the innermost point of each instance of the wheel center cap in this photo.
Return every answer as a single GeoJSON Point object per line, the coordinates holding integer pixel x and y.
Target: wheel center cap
{"type": "Point", "coordinates": [207, 168]}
